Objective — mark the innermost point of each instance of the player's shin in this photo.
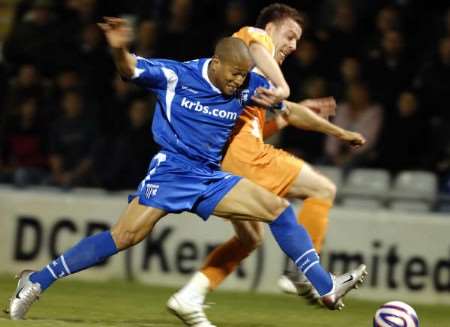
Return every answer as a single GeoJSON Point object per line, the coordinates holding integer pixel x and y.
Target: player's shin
{"type": "Point", "coordinates": [296, 243]}
{"type": "Point", "coordinates": [314, 217]}
{"type": "Point", "coordinates": [223, 260]}
{"type": "Point", "coordinates": [87, 253]}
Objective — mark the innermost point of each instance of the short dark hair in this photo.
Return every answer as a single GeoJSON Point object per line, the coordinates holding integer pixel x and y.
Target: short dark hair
{"type": "Point", "coordinates": [232, 48]}
{"type": "Point", "coordinates": [276, 12]}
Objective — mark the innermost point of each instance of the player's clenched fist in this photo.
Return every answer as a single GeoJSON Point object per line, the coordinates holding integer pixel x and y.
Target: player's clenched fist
{"type": "Point", "coordinates": [117, 31]}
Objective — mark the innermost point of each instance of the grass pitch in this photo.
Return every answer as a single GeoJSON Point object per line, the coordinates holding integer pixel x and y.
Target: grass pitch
{"type": "Point", "coordinates": [81, 304]}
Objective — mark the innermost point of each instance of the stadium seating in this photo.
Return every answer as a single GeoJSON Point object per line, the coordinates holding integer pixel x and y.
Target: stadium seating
{"type": "Point", "coordinates": [410, 206]}
{"type": "Point", "coordinates": [361, 203]}
{"type": "Point", "coordinates": [366, 184]}
{"type": "Point", "coordinates": [414, 191]}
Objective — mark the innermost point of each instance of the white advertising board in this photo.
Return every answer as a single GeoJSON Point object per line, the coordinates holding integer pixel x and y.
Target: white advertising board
{"type": "Point", "coordinates": [408, 256]}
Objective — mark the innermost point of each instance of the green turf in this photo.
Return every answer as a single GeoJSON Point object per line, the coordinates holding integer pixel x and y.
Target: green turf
{"type": "Point", "coordinates": [73, 303]}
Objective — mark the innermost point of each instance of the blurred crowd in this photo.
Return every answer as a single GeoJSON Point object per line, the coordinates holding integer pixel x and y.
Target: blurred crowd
{"type": "Point", "coordinates": [67, 119]}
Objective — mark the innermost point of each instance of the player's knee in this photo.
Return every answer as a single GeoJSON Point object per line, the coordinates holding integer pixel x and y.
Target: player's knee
{"type": "Point", "coordinates": [124, 238]}
{"type": "Point", "coordinates": [327, 190]}
{"type": "Point", "coordinates": [256, 240]}
{"type": "Point", "coordinates": [331, 190]}
{"type": "Point", "coordinates": [276, 206]}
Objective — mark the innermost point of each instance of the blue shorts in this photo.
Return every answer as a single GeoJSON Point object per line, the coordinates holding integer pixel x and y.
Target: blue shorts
{"type": "Point", "coordinates": [175, 183]}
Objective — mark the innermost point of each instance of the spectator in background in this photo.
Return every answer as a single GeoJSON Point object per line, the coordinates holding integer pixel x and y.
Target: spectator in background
{"type": "Point", "coordinates": [434, 86]}
{"type": "Point", "coordinates": [443, 168]}
{"type": "Point", "coordinates": [113, 117]}
{"type": "Point", "coordinates": [28, 83]}
{"type": "Point", "coordinates": [405, 136]}
{"type": "Point", "coordinates": [350, 71]}
{"type": "Point", "coordinates": [38, 39]}
{"type": "Point", "coordinates": [387, 19]}
{"type": "Point", "coordinates": [361, 115]}
{"type": "Point", "coordinates": [306, 144]}
{"type": "Point", "coordinates": [304, 64]}
{"type": "Point", "coordinates": [143, 9]}
{"type": "Point", "coordinates": [390, 69]}
{"type": "Point", "coordinates": [85, 10]}
{"type": "Point", "coordinates": [146, 39]}
{"type": "Point", "coordinates": [112, 126]}
{"type": "Point", "coordinates": [61, 38]}
{"type": "Point", "coordinates": [182, 39]}
{"type": "Point", "coordinates": [24, 157]}
{"type": "Point", "coordinates": [342, 39]}
{"type": "Point", "coordinates": [446, 29]}
{"type": "Point", "coordinates": [97, 68]}
{"type": "Point", "coordinates": [439, 29]}
{"type": "Point", "coordinates": [134, 147]}
{"type": "Point", "coordinates": [440, 158]}
{"type": "Point", "coordinates": [234, 18]}
{"type": "Point", "coordinates": [315, 87]}
{"type": "Point", "coordinates": [72, 141]}
{"type": "Point", "coordinates": [4, 88]}
{"type": "Point", "coordinates": [434, 83]}
{"type": "Point", "coordinates": [66, 80]}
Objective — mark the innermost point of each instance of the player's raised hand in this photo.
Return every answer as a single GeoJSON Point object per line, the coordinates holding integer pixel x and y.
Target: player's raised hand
{"type": "Point", "coordinates": [324, 107]}
{"type": "Point", "coordinates": [268, 97]}
{"type": "Point", "coordinates": [355, 139]}
{"type": "Point", "coordinates": [117, 31]}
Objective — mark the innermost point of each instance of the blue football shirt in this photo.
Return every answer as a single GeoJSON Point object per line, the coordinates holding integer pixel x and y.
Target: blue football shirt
{"type": "Point", "coordinates": [192, 117]}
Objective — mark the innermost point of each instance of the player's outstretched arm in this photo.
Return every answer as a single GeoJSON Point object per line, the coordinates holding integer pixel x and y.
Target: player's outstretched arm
{"type": "Point", "coordinates": [302, 117]}
{"type": "Point", "coordinates": [118, 34]}
{"type": "Point", "coordinates": [267, 64]}
{"type": "Point", "coordinates": [324, 107]}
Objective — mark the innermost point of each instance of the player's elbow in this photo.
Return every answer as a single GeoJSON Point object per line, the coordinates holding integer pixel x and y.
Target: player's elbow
{"type": "Point", "coordinates": [286, 91]}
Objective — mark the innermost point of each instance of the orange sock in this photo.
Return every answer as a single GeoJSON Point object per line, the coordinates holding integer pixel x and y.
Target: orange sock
{"type": "Point", "coordinates": [223, 260]}
{"type": "Point", "coordinates": [314, 217]}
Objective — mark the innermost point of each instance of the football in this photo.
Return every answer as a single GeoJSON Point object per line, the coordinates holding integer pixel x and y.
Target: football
{"type": "Point", "coordinates": [395, 314]}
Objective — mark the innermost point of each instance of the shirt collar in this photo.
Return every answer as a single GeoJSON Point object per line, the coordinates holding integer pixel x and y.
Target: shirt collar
{"type": "Point", "coordinates": [205, 75]}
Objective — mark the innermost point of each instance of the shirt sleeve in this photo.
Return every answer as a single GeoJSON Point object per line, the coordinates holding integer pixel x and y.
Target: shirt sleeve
{"type": "Point", "coordinates": [155, 74]}
{"type": "Point", "coordinates": [256, 81]}
{"type": "Point", "coordinates": [250, 34]}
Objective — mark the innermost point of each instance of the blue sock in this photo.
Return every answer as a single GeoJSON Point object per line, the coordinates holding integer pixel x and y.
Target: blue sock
{"type": "Point", "coordinates": [87, 253]}
{"type": "Point", "coordinates": [294, 240]}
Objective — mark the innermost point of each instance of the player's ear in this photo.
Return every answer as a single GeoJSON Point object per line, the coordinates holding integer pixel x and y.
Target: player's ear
{"type": "Point", "coordinates": [269, 27]}
{"type": "Point", "coordinates": [215, 62]}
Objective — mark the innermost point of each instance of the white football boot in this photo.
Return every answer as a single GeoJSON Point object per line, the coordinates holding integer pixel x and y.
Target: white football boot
{"type": "Point", "coordinates": [342, 285]}
{"type": "Point", "coordinates": [190, 312]}
{"type": "Point", "coordinates": [25, 295]}
{"type": "Point", "coordinates": [299, 285]}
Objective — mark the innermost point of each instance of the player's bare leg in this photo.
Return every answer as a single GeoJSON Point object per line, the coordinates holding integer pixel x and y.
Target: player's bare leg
{"type": "Point", "coordinates": [314, 187]}
{"type": "Point", "coordinates": [188, 303]}
{"type": "Point", "coordinates": [319, 194]}
{"type": "Point", "coordinates": [247, 201]}
{"type": "Point", "coordinates": [135, 223]}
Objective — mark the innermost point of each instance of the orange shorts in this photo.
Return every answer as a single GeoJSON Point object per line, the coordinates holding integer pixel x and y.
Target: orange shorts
{"type": "Point", "coordinates": [274, 169]}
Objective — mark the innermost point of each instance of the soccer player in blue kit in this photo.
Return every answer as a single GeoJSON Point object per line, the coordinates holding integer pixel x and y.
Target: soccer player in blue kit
{"type": "Point", "coordinates": [198, 103]}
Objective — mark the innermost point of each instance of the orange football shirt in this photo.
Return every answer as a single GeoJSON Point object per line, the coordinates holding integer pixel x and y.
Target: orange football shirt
{"type": "Point", "coordinates": [251, 122]}
{"type": "Point", "coordinates": [246, 154]}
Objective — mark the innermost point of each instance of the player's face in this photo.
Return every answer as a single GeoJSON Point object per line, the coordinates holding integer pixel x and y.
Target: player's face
{"type": "Point", "coordinates": [285, 35]}
{"type": "Point", "coordinates": [231, 75]}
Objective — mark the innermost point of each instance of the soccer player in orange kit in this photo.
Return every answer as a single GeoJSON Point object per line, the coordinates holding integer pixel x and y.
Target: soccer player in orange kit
{"type": "Point", "coordinates": [277, 31]}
